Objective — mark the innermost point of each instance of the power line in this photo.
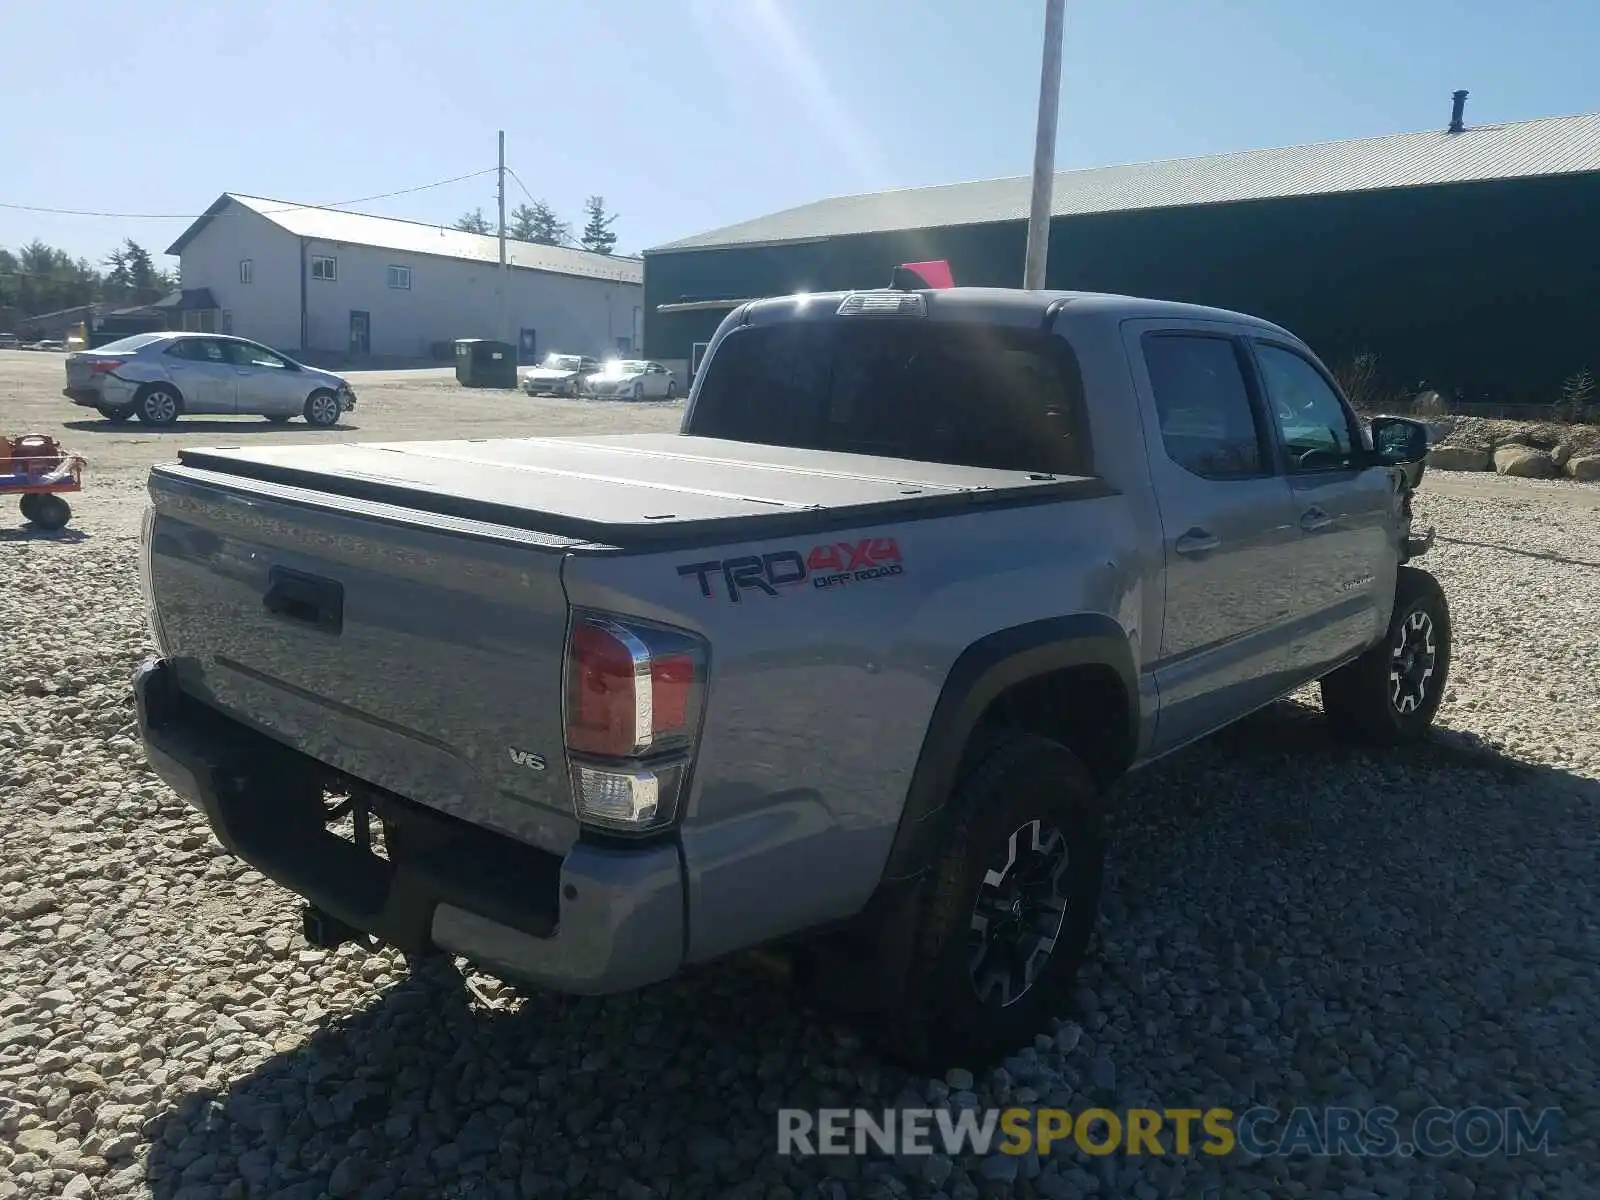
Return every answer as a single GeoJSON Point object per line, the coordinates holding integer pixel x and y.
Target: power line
{"type": "Point", "coordinates": [124, 216]}
{"type": "Point", "coordinates": [523, 186]}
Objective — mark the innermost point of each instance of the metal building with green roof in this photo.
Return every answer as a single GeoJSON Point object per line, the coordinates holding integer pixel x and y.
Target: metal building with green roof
{"type": "Point", "coordinates": [1466, 258]}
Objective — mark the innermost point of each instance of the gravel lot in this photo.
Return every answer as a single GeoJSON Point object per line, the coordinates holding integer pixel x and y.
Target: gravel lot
{"type": "Point", "coordinates": [1289, 923]}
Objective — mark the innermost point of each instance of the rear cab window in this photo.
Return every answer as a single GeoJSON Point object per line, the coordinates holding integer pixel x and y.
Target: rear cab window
{"type": "Point", "coordinates": [960, 393]}
{"type": "Point", "coordinates": [1209, 425]}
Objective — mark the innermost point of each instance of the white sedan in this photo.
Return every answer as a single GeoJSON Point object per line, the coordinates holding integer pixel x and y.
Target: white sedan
{"type": "Point", "coordinates": [632, 379]}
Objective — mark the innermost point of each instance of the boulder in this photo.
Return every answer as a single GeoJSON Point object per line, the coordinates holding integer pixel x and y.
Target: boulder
{"type": "Point", "coordinates": [1585, 468]}
{"type": "Point", "coordinates": [1561, 455]}
{"type": "Point", "coordinates": [1458, 458]}
{"type": "Point", "coordinates": [1524, 462]}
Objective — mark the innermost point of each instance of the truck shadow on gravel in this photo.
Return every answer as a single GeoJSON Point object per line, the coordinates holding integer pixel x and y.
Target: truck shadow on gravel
{"type": "Point", "coordinates": [432, 1093]}
{"type": "Point", "coordinates": [427, 1091]}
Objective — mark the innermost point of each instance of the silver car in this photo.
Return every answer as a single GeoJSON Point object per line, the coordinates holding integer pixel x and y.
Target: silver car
{"type": "Point", "coordinates": [560, 375]}
{"type": "Point", "coordinates": [632, 379]}
{"type": "Point", "coordinates": [159, 376]}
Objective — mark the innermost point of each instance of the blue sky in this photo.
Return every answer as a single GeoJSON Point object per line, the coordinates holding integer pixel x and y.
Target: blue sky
{"type": "Point", "coordinates": [691, 114]}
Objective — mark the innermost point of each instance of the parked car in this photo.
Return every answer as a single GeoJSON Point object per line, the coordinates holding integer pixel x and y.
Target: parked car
{"type": "Point", "coordinates": [632, 379]}
{"type": "Point", "coordinates": [159, 377]}
{"type": "Point", "coordinates": [560, 375]}
{"type": "Point", "coordinates": [8, 341]}
{"type": "Point", "coordinates": [851, 661]}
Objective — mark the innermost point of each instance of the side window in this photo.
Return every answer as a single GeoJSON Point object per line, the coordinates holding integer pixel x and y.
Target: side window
{"type": "Point", "coordinates": [1314, 426]}
{"type": "Point", "coordinates": [247, 354]}
{"type": "Point", "coordinates": [202, 350]}
{"type": "Point", "coordinates": [1208, 425]}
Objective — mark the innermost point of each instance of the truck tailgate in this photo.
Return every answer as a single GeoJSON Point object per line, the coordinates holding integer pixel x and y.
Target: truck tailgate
{"type": "Point", "coordinates": [421, 653]}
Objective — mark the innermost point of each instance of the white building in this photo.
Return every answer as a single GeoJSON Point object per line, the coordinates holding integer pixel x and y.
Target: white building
{"type": "Point", "coordinates": [322, 280]}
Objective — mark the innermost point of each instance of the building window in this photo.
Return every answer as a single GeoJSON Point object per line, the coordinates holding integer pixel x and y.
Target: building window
{"type": "Point", "coordinates": [696, 353]}
{"type": "Point", "coordinates": [227, 322]}
{"type": "Point", "coordinates": [325, 268]}
{"type": "Point", "coordinates": [400, 277]}
{"type": "Point", "coordinates": [247, 271]}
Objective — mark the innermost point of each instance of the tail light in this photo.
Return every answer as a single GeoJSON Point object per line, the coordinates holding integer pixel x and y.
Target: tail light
{"type": "Point", "coordinates": [104, 366]}
{"type": "Point", "coordinates": [635, 692]}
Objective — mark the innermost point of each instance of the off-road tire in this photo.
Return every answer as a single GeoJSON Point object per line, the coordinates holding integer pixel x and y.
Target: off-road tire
{"type": "Point", "coordinates": [48, 511]}
{"type": "Point", "coordinates": [158, 404]}
{"type": "Point", "coordinates": [29, 503]}
{"type": "Point", "coordinates": [940, 1020]}
{"type": "Point", "coordinates": [1384, 697]}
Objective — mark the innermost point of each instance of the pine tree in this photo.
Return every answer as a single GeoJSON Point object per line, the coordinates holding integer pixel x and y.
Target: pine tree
{"type": "Point", "coordinates": [597, 235]}
{"type": "Point", "coordinates": [118, 281]}
{"type": "Point", "coordinates": [473, 222]}
{"type": "Point", "coordinates": [538, 223]}
{"type": "Point", "coordinates": [141, 270]}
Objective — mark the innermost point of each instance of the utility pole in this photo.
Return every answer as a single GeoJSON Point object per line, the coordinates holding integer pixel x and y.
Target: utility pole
{"type": "Point", "coordinates": [500, 333]}
{"type": "Point", "coordinates": [1044, 147]}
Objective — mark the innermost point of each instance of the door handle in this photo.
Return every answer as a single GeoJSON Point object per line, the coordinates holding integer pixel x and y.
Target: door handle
{"type": "Point", "coordinates": [308, 599]}
{"type": "Point", "coordinates": [1197, 541]}
{"type": "Point", "coordinates": [1314, 519]}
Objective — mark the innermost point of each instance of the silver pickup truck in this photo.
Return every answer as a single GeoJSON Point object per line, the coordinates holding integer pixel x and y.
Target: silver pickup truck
{"type": "Point", "coordinates": [846, 664]}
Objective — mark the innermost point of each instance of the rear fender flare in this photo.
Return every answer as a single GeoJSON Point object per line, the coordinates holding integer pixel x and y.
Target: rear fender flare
{"type": "Point", "coordinates": [987, 668]}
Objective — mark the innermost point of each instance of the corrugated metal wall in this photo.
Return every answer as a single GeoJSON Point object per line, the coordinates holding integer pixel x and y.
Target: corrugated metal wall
{"type": "Point", "coordinates": [1493, 288]}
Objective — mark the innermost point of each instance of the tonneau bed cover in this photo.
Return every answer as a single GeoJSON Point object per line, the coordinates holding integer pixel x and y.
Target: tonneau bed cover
{"type": "Point", "coordinates": [626, 489]}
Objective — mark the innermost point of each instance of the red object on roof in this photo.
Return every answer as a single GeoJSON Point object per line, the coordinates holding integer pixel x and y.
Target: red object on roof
{"type": "Point", "coordinates": [934, 273]}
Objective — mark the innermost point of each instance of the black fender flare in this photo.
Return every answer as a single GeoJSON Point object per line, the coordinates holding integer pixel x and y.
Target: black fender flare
{"type": "Point", "coordinates": [984, 670]}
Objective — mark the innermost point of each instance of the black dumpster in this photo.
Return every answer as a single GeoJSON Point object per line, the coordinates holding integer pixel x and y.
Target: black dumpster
{"type": "Point", "coordinates": [482, 363]}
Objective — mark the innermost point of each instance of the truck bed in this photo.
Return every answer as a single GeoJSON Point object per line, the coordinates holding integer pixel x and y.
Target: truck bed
{"type": "Point", "coordinates": [636, 489]}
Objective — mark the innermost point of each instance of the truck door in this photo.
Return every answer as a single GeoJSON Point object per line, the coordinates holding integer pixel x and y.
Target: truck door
{"type": "Point", "coordinates": [1346, 559]}
{"type": "Point", "coordinates": [1228, 531]}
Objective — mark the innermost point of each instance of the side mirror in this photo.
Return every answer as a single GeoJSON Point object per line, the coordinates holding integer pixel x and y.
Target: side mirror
{"type": "Point", "coordinates": [1403, 443]}
{"type": "Point", "coordinates": [1398, 441]}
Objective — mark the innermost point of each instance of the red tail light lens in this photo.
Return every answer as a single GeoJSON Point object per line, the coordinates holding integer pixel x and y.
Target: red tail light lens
{"type": "Point", "coordinates": [632, 689]}
{"type": "Point", "coordinates": [104, 366]}
{"type": "Point", "coordinates": [672, 682]}
{"type": "Point", "coordinates": [602, 690]}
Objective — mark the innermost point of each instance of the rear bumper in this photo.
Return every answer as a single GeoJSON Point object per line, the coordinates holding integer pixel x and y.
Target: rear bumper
{"type": "Point", "coordinates": [599, 920]}
{"type": "Point", "coordinates": [109, 392]}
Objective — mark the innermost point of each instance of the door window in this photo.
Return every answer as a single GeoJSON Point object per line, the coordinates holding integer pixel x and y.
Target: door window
{"type": "Point", "coordinates": [201, 350]}
{"type": "Point", "coordinates": [1208, 423]}
{"type": "Point", "coordinates": [1315, 428]}
{"type": "Point", "coordinates": [247, 354]}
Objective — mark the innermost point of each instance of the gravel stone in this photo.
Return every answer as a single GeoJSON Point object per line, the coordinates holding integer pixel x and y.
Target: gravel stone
{"type": "Point", "coordinates": [1288, 921]}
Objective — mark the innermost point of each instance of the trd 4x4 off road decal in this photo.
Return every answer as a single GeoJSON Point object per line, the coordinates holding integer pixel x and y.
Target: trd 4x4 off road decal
{"type": "Point", "coordinates": [825, 565]}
